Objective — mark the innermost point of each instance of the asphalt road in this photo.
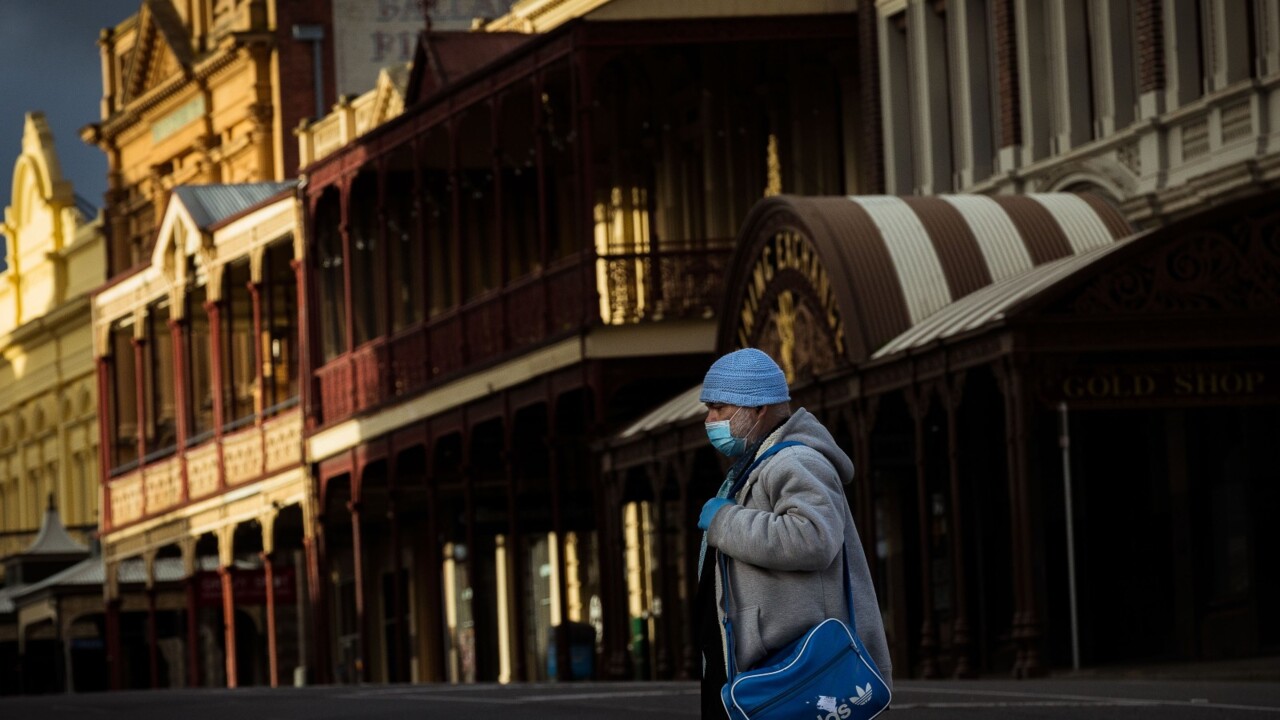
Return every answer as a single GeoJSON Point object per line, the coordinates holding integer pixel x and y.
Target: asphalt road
{"type": "Point", "coordinates": [913, 700]}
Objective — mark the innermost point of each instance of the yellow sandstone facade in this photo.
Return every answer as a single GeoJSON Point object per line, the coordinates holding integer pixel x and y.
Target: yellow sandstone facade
{"type": "Point", "coordinates": [192, 94]}
{"type": "Point", "coordinates": [48, 397]}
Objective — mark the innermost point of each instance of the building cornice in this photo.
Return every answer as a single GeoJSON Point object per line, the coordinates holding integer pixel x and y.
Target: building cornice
{"type": "Point", "coordinates": [50, 325]}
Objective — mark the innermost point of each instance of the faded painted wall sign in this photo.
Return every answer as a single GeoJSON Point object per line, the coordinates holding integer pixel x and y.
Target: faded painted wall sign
{"type": "Point", "coordinates": [372, 34]}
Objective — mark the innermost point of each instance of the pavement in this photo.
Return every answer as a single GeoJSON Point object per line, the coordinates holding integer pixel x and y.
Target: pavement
{"type": "Point", "coordinates": [1262, 669]}
{"type": "Point", "coordinates": [1047, 699]}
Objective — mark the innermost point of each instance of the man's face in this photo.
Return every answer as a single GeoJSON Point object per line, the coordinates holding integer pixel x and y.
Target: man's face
{"type": "Point", "coordinates": [741, 419]}
{"type": "Point", "coordinates": [720, 411]}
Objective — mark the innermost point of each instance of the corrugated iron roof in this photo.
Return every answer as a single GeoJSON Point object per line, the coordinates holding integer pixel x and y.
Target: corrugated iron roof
{"type": "Point", "coordinates": [211, 204]}
{"type": "Point", "coordinates": [896, 261]}
{"type": "Point", "coordinates": [91, 572]}
{"type": "Point", "coordinates": [678, 409]}
{"type": "Point", "coordinates": [994, 302]}
{"type": "Point", "coordinates": [911, 270]}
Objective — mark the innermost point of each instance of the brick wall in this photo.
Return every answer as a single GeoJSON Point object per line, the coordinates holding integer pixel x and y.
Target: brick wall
{"type": "Point", "coordinates": [1006, 49]}
{"type": "Point", "coordinates": [297, 97]}
{"type": "Point", "coordinates": [1149, 26]}
{"type": "Point", "coordinates": [871, 152]}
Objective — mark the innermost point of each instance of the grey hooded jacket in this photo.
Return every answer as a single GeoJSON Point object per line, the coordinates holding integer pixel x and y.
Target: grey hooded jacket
{"type": "Point", "coordinates": [783, 540]}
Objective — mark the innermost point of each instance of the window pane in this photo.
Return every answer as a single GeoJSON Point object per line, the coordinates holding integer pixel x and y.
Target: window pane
{"type": "Point", "coordinates": [162, 410]}
{"type": "Point", "coordinates": [238, 377]}
{"type": "Point", "coordinates": [437, 204]}
{"type": "Point", "coordinates": [365, 278]}
{"type": "Point", "coordinates": [332, 300]}
{"type": "Point", "coordinates": [405, 250]}
{"type": "Point", "coordinates": [280, 331]}
{"type": "Point", "coordinates": [124, 396]}
{"type": "Point", "coordinates": [199, 367]}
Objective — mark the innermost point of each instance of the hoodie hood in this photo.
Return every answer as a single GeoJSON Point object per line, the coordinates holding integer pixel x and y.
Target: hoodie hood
{"type": "Point", "coordinates": [803, 427]}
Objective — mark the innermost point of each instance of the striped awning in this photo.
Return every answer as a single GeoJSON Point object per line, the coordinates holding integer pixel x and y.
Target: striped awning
{"type": "Point", "coordinates": [893, 262]}
{"type": "Point", "coordinates": [907, 271]}
{"type": "Point", "coordinates": [994, 302]}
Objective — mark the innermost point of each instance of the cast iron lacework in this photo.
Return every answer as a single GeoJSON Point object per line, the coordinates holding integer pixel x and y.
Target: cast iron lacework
{"type": "Point", "coordinates": [1235, 270]}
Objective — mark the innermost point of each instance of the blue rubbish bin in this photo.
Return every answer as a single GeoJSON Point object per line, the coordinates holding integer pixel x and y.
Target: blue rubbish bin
{"type": "Point", "coordinates": [582, 651]}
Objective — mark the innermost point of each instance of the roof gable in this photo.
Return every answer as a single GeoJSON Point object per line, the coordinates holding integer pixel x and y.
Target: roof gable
{"type": "Point", "coordinates": [163, 49]}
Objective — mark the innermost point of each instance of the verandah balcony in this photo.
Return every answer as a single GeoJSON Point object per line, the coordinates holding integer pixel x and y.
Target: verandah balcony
{"type": "Point", "coordinates": [248, 454]}
{"type": "Point", "coordinates": [570, 296]}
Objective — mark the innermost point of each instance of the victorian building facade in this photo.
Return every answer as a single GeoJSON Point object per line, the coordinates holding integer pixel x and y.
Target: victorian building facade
{"type": "Point", "coordinates": [530, 253]}
{"type": "Point", "coordinates": [48, 424]}
{"type": "Point", "coordinates": [195, 338]}
{"type": "Point", "coordinates": [48, 404]}
{"type": "Point", "coordinates": [974, 375]}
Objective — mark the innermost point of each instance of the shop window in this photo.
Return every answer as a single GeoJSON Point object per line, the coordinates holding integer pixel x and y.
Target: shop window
{"type": "Point", "coordinates": [279, 326]}
{"type": "Point", "coordinates": [238, 377]}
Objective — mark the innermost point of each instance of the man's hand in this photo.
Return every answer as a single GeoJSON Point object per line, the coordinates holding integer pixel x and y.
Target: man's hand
{"type": "Point", "coordinates": [709, 511]}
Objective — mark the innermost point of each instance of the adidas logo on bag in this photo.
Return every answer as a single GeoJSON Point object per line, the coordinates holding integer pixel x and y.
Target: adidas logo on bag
{"type": "Point", "coordinates": [843, 710]}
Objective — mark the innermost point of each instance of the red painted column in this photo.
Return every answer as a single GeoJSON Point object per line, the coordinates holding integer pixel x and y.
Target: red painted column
{"type": "Point", "coordinates": [153, 650]}
{"type": "Point", "coordinates": [960, 634]}
{"type": "Point", "coordinates": [317, 584]}
{"type": "Point", "coordinates": [268, 576]}
{"type": "Point", "coordinates": [114, 657]}
{"type": "Point", "coordinates": [401, 674]}
{"type": "Point", "coordinates": [431, 565]}
{"type": "Point", "coordinates": [357, 553]}
{"type": "Point", "coordinates": [106, 436]}
{"type": "Point", "coordinates": [215, 351]}
{"type": "Point", "coordinates": [918, 400]}
{"type": "Point", "coordinates": [229, 621]}
{"type": "Point", "coordinates": [177, 342]}
{"type": "Point", "coordinates": [193, 630]}
{"type": "Point", "coordinates": [140, 388]}
{"type": "Point", "coordinates": [260, 400]}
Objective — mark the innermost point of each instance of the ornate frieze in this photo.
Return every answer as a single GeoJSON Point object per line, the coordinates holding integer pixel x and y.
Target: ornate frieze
{"type": "Point", "coordinates": [1234, 268]}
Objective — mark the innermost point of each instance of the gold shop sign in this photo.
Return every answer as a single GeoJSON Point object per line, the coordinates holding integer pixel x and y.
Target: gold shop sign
{"type": "Point", "coordinates": [1209, 383]}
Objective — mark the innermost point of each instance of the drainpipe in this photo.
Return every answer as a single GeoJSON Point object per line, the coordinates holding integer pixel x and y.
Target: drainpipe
{"type": "Point", "coordinates": [314, 34]}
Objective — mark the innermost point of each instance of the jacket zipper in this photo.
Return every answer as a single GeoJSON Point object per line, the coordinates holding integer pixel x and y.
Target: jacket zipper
{"type": "Point", "coordinates": [797, 687]}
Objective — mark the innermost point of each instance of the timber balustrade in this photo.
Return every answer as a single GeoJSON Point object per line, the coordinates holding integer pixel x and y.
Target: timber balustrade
{"type": "Point", "coordinates": [569, 297]}
{"type": "Point", "coordinates": [251, 453]}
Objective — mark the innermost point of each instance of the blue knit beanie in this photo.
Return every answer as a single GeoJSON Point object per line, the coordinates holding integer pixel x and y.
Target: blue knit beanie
{"type": "Point", "coordinates": [746, 378]}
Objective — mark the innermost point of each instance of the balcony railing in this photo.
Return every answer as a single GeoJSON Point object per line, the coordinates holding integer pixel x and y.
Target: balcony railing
{"type": "Point", "coordinates": [249, 454]}
{"type": "Point", "coordinates": [632, 288]}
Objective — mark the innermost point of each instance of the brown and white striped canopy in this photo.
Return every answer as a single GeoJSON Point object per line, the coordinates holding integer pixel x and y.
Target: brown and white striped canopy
{"type": "Point", "coordinates": [895, 261]}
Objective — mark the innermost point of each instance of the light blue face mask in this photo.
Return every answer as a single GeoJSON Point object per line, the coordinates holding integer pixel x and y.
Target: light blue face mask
{"type": "Point", "coordinates": [722, 438]}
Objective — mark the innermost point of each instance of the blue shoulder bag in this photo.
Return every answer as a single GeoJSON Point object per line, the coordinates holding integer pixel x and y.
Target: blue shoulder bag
{"type": "Point", "coordinates": [825, 674]}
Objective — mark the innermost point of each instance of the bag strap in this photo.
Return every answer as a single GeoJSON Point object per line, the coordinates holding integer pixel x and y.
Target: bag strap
{"type": "Point", "coordinates": [730, 657]}
{"type": "Point", "coordinates": [768, 453]}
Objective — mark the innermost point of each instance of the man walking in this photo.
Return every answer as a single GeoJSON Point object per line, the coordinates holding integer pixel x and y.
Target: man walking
{"type": "Point", "coordinates": [782, 532]}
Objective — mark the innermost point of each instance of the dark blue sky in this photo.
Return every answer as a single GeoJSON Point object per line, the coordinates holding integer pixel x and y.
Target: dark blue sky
{"type": "Point", "coordinates": [49, 61]}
